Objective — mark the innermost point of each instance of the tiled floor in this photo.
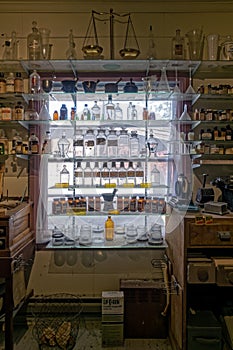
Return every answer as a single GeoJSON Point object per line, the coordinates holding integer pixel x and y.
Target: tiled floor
{"type": "Point", "coordinates": [89, 338]}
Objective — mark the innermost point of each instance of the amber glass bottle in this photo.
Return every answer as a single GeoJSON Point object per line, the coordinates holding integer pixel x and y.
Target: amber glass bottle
{"type": "Point", "coordinates": [109, 229]}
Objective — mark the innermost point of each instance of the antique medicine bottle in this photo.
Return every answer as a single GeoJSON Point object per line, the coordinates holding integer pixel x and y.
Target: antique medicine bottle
{"type": "Point", "coordinates": [177, 46]}
{"type": "Point", "coordinates": [109, 229]}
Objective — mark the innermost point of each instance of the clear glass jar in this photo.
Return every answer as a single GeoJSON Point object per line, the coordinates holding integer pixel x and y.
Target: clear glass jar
{"type": "Point", "coordinates": [101, 143]}
{"type": "Point", "coordinates": [34, 43]}
{"type": "Point", "coordinates": [123, 143]}
{"type": "Point", "coordinates": [78, 144]}
{"type": "Point", "coordinates": [89, 143]}
{"type": "Point", "coordinates": [134, 144]}
{"type": "Point", "coordinates": [112, 143]}
{"type": "Point", "coordinates": [63, 146]}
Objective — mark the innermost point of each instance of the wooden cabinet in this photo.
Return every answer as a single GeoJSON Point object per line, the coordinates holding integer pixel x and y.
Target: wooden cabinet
{"type": "Point", "coordinates": [16, 253]}
{"type": "Point", "coordinates": [210, 246]}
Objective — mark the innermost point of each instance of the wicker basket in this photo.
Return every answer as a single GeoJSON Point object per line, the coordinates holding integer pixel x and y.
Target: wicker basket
{"type": "Point", "coordinates": [57, 318]}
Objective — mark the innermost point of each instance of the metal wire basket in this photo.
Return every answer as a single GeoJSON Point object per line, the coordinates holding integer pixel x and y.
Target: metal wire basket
{"type": "Point", "coordinates": [56, 321]}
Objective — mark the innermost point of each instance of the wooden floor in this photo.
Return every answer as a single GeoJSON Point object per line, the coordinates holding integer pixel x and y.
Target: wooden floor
{"type": "Point", "coordinates": [89, 338]}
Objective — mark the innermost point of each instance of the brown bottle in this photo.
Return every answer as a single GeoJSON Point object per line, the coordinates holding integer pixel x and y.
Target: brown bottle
{"type": "Point", "coordinates": [109, 229]}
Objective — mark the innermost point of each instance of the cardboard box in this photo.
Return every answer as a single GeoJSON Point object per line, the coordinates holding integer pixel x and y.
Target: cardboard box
{"type": "Point", "coordinates": [113, 302]}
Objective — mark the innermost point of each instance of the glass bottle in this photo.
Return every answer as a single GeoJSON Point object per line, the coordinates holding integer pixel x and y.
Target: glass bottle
{"type": "Point", "coordinates": [96, 175]}
{"type": "Point", "coordinates": [18, 83]}
{"type": "Point", "coordinates": [131, 174]}
{"type": "Point", "coordinates": [65, 176]}
{"type": "Point", "coordinates": [134, 144]}
{"type": "Point", "coordinates": [109, 229]}
{"type": "Point", "coordinates": [71, 51]}
{"type": "Point", "coordinates": [87, 175]}
{"type": "Point", "coordinates": [109, 109]}
{"type": "Point", "coordinates": [105, 174]}
{"type": "Point", "coordinates": [63, 146]}
{"type": "Point", "coordinates": [10, 83]}
{"type": "Point", "coordinates": [112, 143]}
{"type": "Point", "coordinates": [55, 115]}
{"type": "Point", "coordinates": [139, 174]}
{"type": "Point", "coordinates": [122, 174]}
{"type": "Point", "coordinates": [34, 82]}
{"type": "Point", "coordinates": [101, 143]}
{"type": "Point", "coordinates": [19, 111]}
{"type": "Point", "coordinates": [44, 112]}
{"type": "Point", "coordinates": [152, 144]}
{"type": "Point", "coordinates": [34, 43]}
{"type": "Point", "coordinates": [123, 143]}
{"type": "Point", "coordinates": [155, 176]}
{"type": "Point", "coordinates": [151, 52]}
{"type": "Point", "coordinates": [14, 46]}
{"type": "Point", "coordinates": [178, 46]}
{"type": "Point", "coordinates": [78, 144]}
{"type": "Point", "coordinates": [63, 112]}
{"type": "Point", "coordinates": [47, 147]}
{"type": "Point", "coordinates": [89, 143]}
{"type": "Point", "coordinates": [86, 114]}
{"type": "Point", "coordinates": [129, 111]}
{"type": "Point", "coordinates": [118, 112]}
{"type": "Point", "coordinates": [4, 142]}
{"type": "Point", "coordinates": [113, 174]}
{"type": "Point", "coordinates": [78, 173]}
{"type": "Point", "coordinates": [2, 83]}
{"type": "Point", "coordinates": [33, 144]}
{"type": "Point", "coordinates": [134, 113]}
{"type": "Point", "coordinates": [95, 112]}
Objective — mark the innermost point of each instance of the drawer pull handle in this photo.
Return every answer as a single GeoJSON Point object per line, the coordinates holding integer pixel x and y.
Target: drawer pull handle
{"type": "Point", "coordinates": [224, 235]}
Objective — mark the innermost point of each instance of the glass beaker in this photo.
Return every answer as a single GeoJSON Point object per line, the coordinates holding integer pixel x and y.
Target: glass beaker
{"type": "Point", "coordinates": [212, 46]}
{"type": "Point", "coordinates": [85, 237]}
{"type": "Point", "coordinates": [195, 44]}
{"type": "Point", "coordinates": [45, 48]}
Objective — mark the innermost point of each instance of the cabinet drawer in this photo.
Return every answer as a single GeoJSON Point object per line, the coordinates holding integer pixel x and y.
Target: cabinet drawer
{"type": "Point", "coordinates": [211, 235]}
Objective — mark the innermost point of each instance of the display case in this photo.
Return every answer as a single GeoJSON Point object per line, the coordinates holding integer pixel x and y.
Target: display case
{"type": "Point", "coordinates": [102, 165]}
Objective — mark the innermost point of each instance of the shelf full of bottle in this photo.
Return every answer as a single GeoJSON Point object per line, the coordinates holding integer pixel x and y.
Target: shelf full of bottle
{"type": "Point", "coordinates": [109, 231]}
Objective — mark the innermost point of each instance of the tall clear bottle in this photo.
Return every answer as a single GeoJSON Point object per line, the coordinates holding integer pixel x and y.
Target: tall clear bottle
{"type": "Point", "coordinates": [122, 174]}
{"type": "Point", "coordinates": [129, 110]}
{"type": "Point", "coordinates": [178, 46]}
{"type": "Point", "coordinates": [96, 175]}
{"type": "Point", "coordinates": [134, 144]}
{"type": "Point", "coordinates": [105, 174]}
{"type": "Point", "coordinates": [112, 143]}
{"type": "Point", "coordinates": [113, 174]}
{"type": "Point", "coordinates": [95, 112]}
{"type": "Point", "coordinates": [34, 43]}
{"type": "Point", "coordinates": [88, 175]}
{"type": "Point", "coordinates": [131, 174]}
{"type": "Point", "coordinates": [118, 112]}
{"type": "Point", "coordinates": [89, 143]}
{"type": "Point", "coordinates": [78, 144]}
{"type": "Point", "coordinates": [78, 173]}
{"type": "Point", "coordinates": [123, 143]}
{"type": "Point", "coordinates": [101, 143]}
{"type": "Point", "coordinates": [151, 51]}
{"type": "Point", "coordinates": [109, 109]}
